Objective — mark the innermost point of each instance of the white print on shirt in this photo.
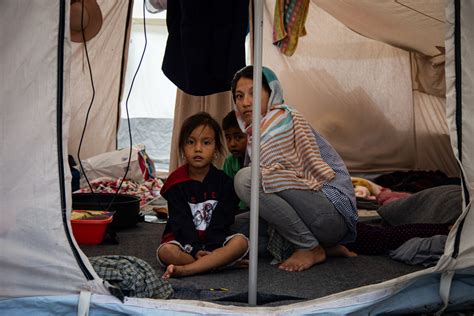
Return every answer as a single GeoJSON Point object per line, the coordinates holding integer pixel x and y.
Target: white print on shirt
{"type": "Point", "coordinates": [202, 213]}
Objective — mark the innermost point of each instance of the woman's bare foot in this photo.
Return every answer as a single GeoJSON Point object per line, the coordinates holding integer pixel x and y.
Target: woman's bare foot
{"type": "Point", "coordinates": [339, 251]}
{"type": "Point", "coordinates": [303, 259]}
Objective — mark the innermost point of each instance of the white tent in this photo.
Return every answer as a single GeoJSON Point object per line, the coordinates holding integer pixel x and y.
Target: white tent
{"type": "Point", "coordinates": [44, 86]}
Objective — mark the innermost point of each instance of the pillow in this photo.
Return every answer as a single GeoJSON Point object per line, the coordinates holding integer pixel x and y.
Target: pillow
{"type": "Point", "coordinates": [438, 205]}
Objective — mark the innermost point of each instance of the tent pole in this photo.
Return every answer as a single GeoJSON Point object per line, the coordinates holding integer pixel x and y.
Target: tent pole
{"type": "Point", "coordinates": [255, 170]}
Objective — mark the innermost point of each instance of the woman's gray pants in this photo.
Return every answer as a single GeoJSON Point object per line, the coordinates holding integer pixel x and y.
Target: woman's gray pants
{"type": "Point", "coordinates": [305, 218]}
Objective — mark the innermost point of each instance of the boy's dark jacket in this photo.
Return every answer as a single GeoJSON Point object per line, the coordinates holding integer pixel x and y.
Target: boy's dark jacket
{"type": "Point", "coordinates": [180, 190]}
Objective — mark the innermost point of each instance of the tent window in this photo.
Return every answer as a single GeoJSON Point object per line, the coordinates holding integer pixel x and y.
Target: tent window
{"type": "Point", "coordinates": [152, 100]}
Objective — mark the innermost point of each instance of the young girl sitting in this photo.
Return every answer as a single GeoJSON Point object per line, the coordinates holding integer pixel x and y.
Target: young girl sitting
{"type": "Point", "coordinates": [201, 204]}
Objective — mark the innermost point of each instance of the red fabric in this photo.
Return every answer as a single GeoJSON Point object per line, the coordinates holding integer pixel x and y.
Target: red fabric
{"type": "Point", "coordinates": [179, 175]}
{"type": "Point", "coordinates": [386, 196]}
{"type": "Point", "coordinates": [169, 236]}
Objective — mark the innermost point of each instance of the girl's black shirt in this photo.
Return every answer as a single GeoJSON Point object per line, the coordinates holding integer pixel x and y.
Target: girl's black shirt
{"type": "Point", "coordinates": [199, 213]}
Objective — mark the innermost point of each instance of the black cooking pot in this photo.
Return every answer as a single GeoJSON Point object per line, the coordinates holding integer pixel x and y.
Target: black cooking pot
{"type": "Point", "coordinates": [126, 207]}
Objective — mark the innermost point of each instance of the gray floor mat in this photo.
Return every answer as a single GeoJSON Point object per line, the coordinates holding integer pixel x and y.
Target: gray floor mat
{"type": "Point", "coordinates": [274, 286]}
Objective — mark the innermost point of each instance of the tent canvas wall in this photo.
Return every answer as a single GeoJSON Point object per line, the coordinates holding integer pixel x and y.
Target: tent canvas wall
{"type": "Point", "coordinates": [358, 91]}
{"type": "Point", "coordinates": [42, 267]}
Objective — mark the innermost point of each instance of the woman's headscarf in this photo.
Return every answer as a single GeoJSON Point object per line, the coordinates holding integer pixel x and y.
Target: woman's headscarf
{"type": "Point", "coordinates": [276, 96]}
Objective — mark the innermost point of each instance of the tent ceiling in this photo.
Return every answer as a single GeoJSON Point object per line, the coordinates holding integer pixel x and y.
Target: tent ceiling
{"type": "Point", "coordinates": [414, 25]}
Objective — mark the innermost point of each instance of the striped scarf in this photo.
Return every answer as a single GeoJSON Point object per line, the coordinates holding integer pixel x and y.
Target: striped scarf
{"type": "Point", "coordinates": [289, 153]}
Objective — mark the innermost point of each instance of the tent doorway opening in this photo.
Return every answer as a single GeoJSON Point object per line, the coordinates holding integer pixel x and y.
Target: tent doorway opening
{"type": "Point", "coordinates": [152, 99]}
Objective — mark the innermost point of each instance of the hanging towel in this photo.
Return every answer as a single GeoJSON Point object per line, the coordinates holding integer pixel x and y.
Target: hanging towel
{"type": "Point", "coordinates": [288, 25]}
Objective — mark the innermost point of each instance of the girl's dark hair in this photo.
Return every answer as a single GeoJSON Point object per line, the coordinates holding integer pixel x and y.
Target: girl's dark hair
{"type": "Point", "coordinates": [196, 120]}
{"type": "Point", "coordinates": [247, 72]}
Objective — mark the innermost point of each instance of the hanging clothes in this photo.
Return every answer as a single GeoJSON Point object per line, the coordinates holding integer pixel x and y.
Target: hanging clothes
{"type": "Point", "coordinates": [206, 44]}
{"type": "Point", "coordinates": [288, 25]}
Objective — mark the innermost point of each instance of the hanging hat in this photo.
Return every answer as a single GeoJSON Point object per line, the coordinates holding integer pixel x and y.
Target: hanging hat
{"type": "Point", "coordinates": [92, 19]}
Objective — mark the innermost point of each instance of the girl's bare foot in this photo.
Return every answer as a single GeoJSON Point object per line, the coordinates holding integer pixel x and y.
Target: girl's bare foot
{"type": "Point", "coordinates": [339, 251]}
{"type": "Point", "coordinates": [169, 272]}
{"type": "Point", "coordinates": [303, 259]}
{"type": "Point", "coordinates": [244, 263]}
{"type": "Point", "coordinates": [174, 271]}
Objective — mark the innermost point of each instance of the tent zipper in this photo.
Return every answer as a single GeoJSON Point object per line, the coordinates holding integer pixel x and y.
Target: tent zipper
{"type": "Point", "coordinates": [59, 122]}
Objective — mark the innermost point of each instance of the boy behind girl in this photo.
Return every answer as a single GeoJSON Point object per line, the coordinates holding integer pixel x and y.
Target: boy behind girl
{"type": "Point", "coordinates": [236, 141]}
